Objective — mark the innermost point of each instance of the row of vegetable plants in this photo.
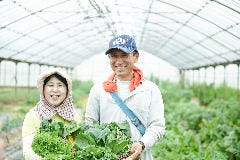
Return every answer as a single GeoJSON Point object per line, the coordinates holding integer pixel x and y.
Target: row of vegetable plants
{"type": "Point", "coordinates": [197, 128]}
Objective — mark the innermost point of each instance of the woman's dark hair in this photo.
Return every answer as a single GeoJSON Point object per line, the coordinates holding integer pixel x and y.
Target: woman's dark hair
{"type": "Point", "coordinates": [59, 77]}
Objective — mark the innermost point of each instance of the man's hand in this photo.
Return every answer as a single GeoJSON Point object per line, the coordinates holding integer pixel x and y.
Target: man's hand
{"type": "Point", "coordinates": [135, 152]}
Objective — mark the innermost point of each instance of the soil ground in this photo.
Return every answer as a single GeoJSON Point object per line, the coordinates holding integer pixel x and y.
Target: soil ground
{"type": "Point", "coordinates": [10, 141]}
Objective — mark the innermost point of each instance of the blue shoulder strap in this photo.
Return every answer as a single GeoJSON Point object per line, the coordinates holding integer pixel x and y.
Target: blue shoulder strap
{"type": "Point", "coordinates": [128, 112]}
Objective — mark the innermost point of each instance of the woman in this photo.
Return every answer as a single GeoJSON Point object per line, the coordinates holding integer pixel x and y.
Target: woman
{"type": "Point", "coordinates": [55, 103]}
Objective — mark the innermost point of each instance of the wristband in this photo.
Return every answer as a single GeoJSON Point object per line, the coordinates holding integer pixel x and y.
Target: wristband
{"type": "Point", "coordinates": [143, 145]}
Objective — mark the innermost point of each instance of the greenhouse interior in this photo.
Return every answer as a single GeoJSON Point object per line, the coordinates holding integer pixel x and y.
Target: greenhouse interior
{"type": "Point", "coordinates": [189, 49]}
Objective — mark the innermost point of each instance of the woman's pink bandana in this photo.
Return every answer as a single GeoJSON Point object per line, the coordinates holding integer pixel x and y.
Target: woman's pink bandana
{"type": "Point", "coordinates": [47, 111]}
{"type": "Point", "coordinates": [111, 86]}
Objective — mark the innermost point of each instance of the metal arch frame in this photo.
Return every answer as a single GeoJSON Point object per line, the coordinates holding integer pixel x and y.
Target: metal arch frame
{"type": "Point", "coordinates": [142, 33]}
{"type": "Point", "coordinates": [184, 24]}
{"type": "Point", "coordinates": [201, 17]}
{"type": "Point", "coordinates": [196, 29]}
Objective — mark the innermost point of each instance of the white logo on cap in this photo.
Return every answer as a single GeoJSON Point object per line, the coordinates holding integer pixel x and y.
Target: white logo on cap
{"type": "Point", "coordinates": [119, 41]}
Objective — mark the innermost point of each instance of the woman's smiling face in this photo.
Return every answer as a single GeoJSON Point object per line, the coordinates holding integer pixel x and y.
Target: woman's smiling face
{"type": "Point", "coordinates": [55, 91]}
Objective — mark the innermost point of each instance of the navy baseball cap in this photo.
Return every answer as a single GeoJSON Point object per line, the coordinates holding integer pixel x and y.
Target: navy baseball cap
{"type": "Point", "coordinates": [125, 43]}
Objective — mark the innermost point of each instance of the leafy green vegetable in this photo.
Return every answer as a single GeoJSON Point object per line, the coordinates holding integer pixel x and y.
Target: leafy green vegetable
{"type": "Point", "coordinates": [58, 127]}
{"type": "Point", "coordinates": [95, 152]}
{"type": "Point", "coordinates": [48, 144]}
{"type": "Point", "coordinates": [105, 141]}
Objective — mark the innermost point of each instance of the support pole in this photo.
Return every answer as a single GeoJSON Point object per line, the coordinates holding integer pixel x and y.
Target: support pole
{"type": "Point", "coordinates": [214, 82]}
{"type": "Point", "coordinates": [237, 97]}
{"type": "Point", "coordinates": [199, 90]}
{"type": "Point", "coordinates": [205, 84]}
{"type": "Point", "coordinates": [224, 82]}
{"type": "Point", "coordinates": [5, 74]}
{"type": "Point", "coordinates": [16, 77]}
{"type": "Point", "coordinates": [29, 74]}
{"type": "Point", "coordinates": [0, 70]}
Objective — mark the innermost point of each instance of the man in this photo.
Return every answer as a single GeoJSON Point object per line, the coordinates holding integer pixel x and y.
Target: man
{"type": "Point", "coordinates": [141, 96]}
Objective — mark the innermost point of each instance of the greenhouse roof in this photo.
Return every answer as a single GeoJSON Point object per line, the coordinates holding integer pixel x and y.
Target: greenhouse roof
{"type": "Point", "coordinates": [185, 33]}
